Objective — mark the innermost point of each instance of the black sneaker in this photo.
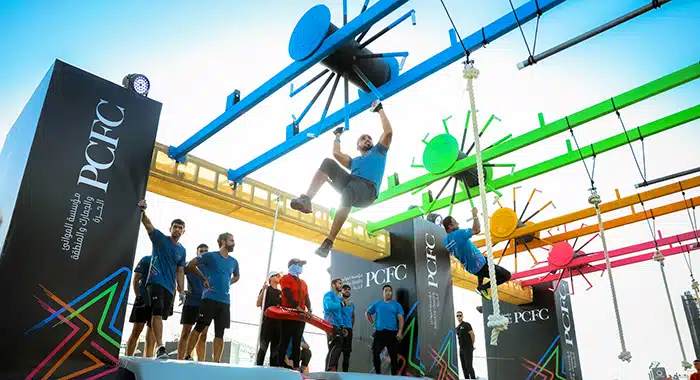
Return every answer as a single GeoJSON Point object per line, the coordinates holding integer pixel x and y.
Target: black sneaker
{"type": "Point", "coordinates": [376, 106]}
{"type": "Point", "coordinates": [188, 357]}
{"type": "Point", "coordinates": [161, 353]}
{"type": "Point", "coordinates": [325, 248]}
{"type": "Point", "coordinates": [301, 204]}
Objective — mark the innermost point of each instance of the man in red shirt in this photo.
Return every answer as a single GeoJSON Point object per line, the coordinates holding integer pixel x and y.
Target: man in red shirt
{"type": "Point", "coordinates": [295, 295]}
{"type": "Point", "coordinates": [696, 375]}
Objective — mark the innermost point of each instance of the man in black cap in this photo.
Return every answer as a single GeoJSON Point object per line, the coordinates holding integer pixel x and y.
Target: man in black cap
{"type": "Point", "coordinates": [295, 295]}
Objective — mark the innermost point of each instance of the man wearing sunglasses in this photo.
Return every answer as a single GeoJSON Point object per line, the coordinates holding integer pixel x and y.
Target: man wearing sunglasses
{"type": "Point", "coordinates": [465, 336]}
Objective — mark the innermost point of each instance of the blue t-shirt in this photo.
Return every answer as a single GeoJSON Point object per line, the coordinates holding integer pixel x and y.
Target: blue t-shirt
{"type": "Point", "coordinates": [143, 267]}
{"type": "Point", "coordinates": [195, 288]}
{"type": "Point", "coordinates": [385, 315]}
{"type": "Point", "coordinates": [371, 165]}
{"type": "Point", "coordinates": [459, 245]}
{"type": "Point", "coordinates": [167, 257]}
{"type": "Point", "coordinates": [348, 312]}
{"type": "Point", "coordinates": [219, 271]}
{"type": "Point", "coordinates": [332, 308]}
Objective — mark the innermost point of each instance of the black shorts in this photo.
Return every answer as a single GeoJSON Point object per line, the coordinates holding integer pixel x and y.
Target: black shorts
{"type": "Point", "coordinates": [219, 312]}
{"type": "Point", "coordinates": [354, 191]}
{"type": "Point", "coordinates": [189, 315]}
{"type": "Point", "coordinates": [347, 341]}
{"type": "Point", "coordinates": [161, 300]}
{"type": "Point", "coordinates": [140, 312]}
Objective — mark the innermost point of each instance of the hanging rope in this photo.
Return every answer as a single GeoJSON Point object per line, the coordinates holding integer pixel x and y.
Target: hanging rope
{"type": "Point", "coordinates": [496, 321]}
{"type": "Point", "coordinates": [267, 271]}
{"type": "Point", "coordinates": [694, 225]}
{"type": "Point", "coordinates": [595, 200]}
{"type": "Point", "coordinates": [658, 256]}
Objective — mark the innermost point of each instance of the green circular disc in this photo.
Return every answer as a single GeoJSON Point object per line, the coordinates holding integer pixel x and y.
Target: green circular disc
{"type": "Point", "coordinates": [440, 153]}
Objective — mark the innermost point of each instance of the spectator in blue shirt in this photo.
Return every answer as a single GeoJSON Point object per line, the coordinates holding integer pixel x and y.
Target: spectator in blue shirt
{"type": "Point", "coordinates": [348, 324]}
{"type": "Point", "coordinates": [360, 187]}
{"type": "Point", "coordinates": [458, 243]}
{"type": "Point", "coordinates": [387, 317]}
{"type": "Point", "coordinates": [141, 311]}
{"type": "Point", "coordinates": [190, 311]}
{"type": "Point", "coordinates": [167, 270]}
{"type": "Point", "coordinates": [220, 271]}
{"type": "Point", "coordinates": [333, 313]}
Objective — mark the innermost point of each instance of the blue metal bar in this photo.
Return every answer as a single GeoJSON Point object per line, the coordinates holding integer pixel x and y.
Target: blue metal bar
{"type": "Point", "coordinates": [293, 92]}
{"type": "Point", "coordinates": [346, 115]}
{"type": "Point", "coordinates": [345, 12]}
{"type": "Point", "coordinates": [473, 42]}
{"type": "Point", "coordinates": [380, 55]}
{"type": "Point", "coordinates": [313, 100]}
{"type": "Point", "coordinates": [367, 82]}
{"type": "Point", "coordinates": [330, 44]}
{"type": "Point", "coordinates": [364, 6]}
{"type": "Point", "coordinates": [389, 27]}
{"type": "Point", "coordinates": [330, 97]}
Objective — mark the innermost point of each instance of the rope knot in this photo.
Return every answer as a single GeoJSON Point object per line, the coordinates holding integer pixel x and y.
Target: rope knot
{"type": "Point", "coordinates": [470, 72]}
{"type": "Point", "coordinates": [497, 323]}
{"type": "Point", "coordinates": [658, 256]}
{"type": "Point", "coordinates": [625, 356]}
{"type": "Point", "coordinates": [594, 198]}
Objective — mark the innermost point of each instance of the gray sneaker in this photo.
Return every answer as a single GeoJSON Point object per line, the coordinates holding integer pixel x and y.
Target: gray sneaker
{"type": "Point", "coordinates": [325, 248]}
{"type": "Point", "coordinates": [161, 353]}
{"type": "Point", "coordinates": [302, 204]}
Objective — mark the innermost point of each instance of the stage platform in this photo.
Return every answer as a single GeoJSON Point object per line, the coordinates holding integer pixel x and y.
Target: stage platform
{"type": "Point", "coordinates": [136, 368]}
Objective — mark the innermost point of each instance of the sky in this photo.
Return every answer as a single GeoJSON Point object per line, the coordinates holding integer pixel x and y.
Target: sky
{"type": "Point", "coordinates": [196, 53]}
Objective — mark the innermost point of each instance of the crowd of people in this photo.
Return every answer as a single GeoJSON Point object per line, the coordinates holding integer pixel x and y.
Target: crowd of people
{"type": "Point", "coordinates": [209, 276]}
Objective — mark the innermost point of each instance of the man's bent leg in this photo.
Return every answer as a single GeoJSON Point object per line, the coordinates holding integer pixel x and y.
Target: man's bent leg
{"type": "Point", "coordinates": [133, 338]}
{"type": "Point", "coordinates": [502, 274]}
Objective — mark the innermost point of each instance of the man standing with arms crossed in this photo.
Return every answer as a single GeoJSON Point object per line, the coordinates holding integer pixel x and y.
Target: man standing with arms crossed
{"type": "Point", "coordinates": [333, 313]}
{"type": "Point", "coordinates": [387, 317]}
{"type": "Point", "coordinates": [190, 311]}
{"type": "Point", "coordinates": [465, 336]}
{"type": "Point", "coordinates": [220, 271]}
{"type": "Point", "coordinates": [141, 311]}
{"type": "Point", "coordinates": [360, 187]}
{"type": "Point", "coordinates": [348, 324]}
{"type": "Point", "coordinates": [167, 269]}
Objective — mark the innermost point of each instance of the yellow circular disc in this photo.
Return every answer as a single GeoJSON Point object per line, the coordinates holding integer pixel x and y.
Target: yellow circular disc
{"type": "Point", "coordinates": [503, 222]}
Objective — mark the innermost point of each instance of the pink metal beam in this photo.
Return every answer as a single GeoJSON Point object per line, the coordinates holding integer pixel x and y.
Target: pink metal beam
{"type": "Point", "coordinates": [597, 256]}
{"type": "Point", "coordinates": [617, 263]}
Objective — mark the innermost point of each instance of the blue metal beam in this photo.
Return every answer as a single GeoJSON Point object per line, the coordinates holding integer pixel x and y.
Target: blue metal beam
{"type": "Point", "coordinates": [473, 42]}
{"type": "Point", "coordinates": [340, 37]}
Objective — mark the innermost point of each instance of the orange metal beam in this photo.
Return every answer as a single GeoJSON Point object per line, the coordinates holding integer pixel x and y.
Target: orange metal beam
{"type": "Point", "coordinates": [613, 223]}
{"type": "Point", "coordinates": [617, 204]}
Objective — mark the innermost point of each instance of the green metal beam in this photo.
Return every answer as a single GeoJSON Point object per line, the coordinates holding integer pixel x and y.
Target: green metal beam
{"type": "Point", "coordinates": [603, 108]}
{"type": "Point", "coordinates": [644, 131]}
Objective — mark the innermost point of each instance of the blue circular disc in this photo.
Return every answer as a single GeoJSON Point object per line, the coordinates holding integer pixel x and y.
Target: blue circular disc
{"type": "Point", "coordinates": [309, 32]}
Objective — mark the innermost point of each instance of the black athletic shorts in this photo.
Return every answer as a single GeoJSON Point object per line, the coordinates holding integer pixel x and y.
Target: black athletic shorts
{"type": "Point", "coordinates": [219, 312]}
{"type": "Point", "coordinates": [189, 315]}
{"type": "Point", "coordinates": [161, 300]}
{"type": "Point", "coordinates": [141, 311]}
{"type": "Point", "coordinates": [347, 341]}
{"type": "Point", "coordinates": [354, 191]}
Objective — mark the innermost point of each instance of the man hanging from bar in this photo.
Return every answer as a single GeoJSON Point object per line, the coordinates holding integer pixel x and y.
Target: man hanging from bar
{"type": "Point", "coordinates": [360, 187]}
{"type": "Point", "coordinates": [458, 243]}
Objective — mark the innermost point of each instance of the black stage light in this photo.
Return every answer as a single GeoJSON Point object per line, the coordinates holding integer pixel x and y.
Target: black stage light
{"type": "Point", "coordinates": [137, 83]}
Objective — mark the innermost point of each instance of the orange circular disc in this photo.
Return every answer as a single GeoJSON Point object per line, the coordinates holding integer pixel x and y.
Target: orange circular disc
{"type": "Point", "coordinates": [503, 222]}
